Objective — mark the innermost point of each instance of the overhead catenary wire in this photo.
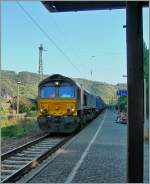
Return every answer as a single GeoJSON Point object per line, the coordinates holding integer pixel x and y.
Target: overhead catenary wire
{"type": "Point", "coordinates": [47, 36]}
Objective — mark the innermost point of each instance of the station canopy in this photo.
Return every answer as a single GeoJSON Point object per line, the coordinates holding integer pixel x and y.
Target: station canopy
{"type": "Point", "coordinates": [64, 6]}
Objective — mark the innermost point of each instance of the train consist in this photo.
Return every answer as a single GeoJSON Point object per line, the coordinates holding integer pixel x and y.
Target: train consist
{"type": "Point", "coordinates": [64, 105]}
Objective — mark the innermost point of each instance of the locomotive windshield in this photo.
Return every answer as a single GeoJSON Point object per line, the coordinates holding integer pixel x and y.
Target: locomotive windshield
{"type": "Point", "coordinates": [66, 91]}
{"type": "Point", "coordinates": [48, 92]}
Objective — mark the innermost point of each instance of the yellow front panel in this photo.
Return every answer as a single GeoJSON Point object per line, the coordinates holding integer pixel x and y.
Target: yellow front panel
{"type": "Point", "coordinates": [56, 107]}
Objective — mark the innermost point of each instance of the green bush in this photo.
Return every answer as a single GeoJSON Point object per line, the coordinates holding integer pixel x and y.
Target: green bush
{"type": "Point", "coordinates": [3, 111]}
{"type": "Point", "coordinates": [34, 107]}
{"type": "Point", "coordinates": [19, 129]}
{"type": "Point", "coordinates": [15, 131]}
{"type": "Point", "coordinates": [122, 102]}
{"type": "Point", "coordinates": [32, 114]}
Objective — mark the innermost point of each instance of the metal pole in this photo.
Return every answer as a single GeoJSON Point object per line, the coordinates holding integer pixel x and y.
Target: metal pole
{"type": "Point", "coordinates": [40, 70]}
{"type": "Point", "coordinates": [40, 63]}
{"type": "Point", "coordinates": [145, 100]}
{"type": "Point", "coordinates": [134, 28]}
{"type": "Point", "coordinates": [18, 83]}
{"type": "Point", "coordinates": [17, 98]}
{"type": "Point", "coordinates": [0, 77]}
{"type": "Point", "coordinates": [92, 68]}
{"type": "Point", "coordinates": [0, 85]}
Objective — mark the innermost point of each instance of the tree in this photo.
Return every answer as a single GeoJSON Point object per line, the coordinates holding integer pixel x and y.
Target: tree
{"type": "Point", "coordinates": [122, 102]}
{"type": "Point", "coordinates": [25, 104]}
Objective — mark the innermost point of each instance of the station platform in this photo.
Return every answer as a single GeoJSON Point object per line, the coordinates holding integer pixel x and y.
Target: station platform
{"type": "Point", "coordinates": [96, 155]}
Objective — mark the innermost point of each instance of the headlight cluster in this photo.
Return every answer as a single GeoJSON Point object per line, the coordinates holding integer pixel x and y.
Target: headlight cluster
{"type": "Point", "coordinates": [44, 111]}
{"type": "Point", "coordinates": [70, 110]}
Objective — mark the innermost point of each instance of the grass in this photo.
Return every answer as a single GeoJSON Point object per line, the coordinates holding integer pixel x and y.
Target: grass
{"type": "Point", "coordinates": [15, 128]}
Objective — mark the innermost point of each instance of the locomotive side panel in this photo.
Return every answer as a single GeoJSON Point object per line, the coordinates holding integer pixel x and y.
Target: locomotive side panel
{"type": "Point", "coordinates": [98, 104]}
{"type": "Point", "coordinates": [92, 101]}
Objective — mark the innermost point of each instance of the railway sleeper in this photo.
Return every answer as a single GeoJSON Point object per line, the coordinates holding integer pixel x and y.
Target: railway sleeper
{"type": "Point", "coordinates": [35, 150]}
{"type": "Point", "coordinates": [30, 152]}
{"type": "Point", "coordinates": [11, 167]}
{"type": "Point", "coordinates": [44, 147]}
{"type": "Point", "coordinates": [17, 158]}
{"type": "Point", "coordinates": [15, 162]}
{"type": "Point", "coordinates": [7, 172]}
{"type": "Point", "coordinates": [25, 155]}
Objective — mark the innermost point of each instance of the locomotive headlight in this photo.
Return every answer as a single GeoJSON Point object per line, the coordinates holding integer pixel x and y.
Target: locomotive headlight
{"type": "Point", "coordinates": [56, 83]}
{"type": "Point", "coordinates": [72, 109]}
{"type": "Point", "coordinates": [44, 111]}
{"type": "Point", "coordinates": [41, 110]}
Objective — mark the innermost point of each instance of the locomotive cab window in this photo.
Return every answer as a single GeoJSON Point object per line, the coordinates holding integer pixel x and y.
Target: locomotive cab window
{"type": "Point", "coordinates": [48, 92]}
{"type": "Point", "coordinates": [66, 90]}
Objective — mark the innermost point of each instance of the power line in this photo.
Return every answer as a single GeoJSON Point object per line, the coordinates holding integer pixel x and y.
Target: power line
{"type": "Point", "coordinates": [46, 35]}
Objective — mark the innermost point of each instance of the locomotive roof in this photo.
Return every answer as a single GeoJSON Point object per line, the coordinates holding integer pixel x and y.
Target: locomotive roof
{"type": "Point", "coordinates": [55, 77]}
{"type": "Point", "coordinates": [61, 77]}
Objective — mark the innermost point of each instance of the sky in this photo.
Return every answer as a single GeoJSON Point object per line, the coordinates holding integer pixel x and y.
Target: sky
{"type": "Point", "coordinates": [90, 41]}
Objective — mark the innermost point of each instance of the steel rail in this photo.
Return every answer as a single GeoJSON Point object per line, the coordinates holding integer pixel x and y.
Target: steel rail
{"type": "Point", "coordinates": [29, 151]}
{"type": "Point", "coordinates": [20, 148]}
{"type": "Point", "coordinates": [19, 173]}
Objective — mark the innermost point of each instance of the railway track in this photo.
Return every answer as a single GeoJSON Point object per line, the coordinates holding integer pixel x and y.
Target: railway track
{"type": "Point", "coordinates": [15, 163]}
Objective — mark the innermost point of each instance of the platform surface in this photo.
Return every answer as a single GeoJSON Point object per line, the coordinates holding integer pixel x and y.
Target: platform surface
{"type": "Point", "coordinates": [96, 155]}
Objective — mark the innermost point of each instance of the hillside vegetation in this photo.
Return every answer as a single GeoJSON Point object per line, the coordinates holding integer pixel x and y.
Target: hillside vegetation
{"type": "Point", "coordinates": [29, 83]}
{"type": "Point", "coordinates": [28, 86]}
